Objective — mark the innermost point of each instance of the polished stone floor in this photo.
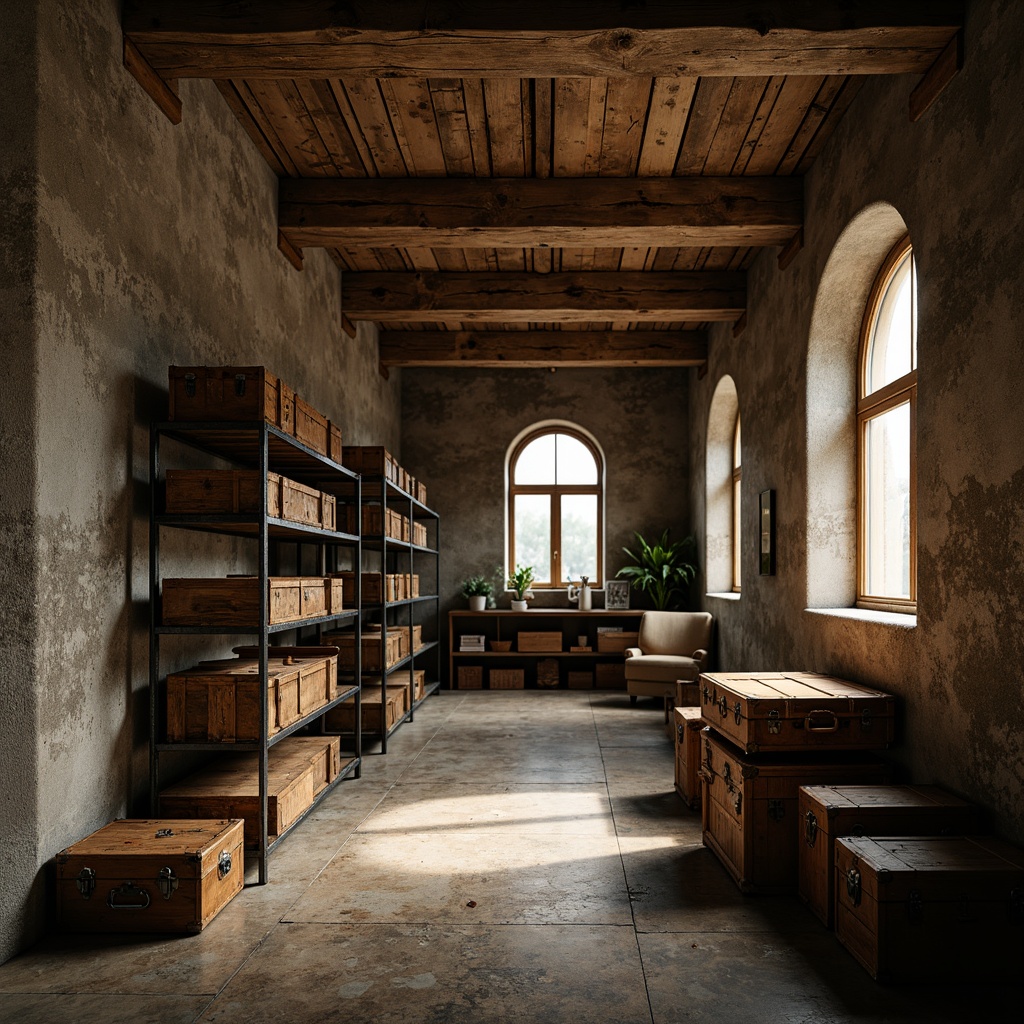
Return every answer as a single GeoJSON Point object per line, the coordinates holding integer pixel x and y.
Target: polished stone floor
{"type": "Point", "coordinates": [516, 856]}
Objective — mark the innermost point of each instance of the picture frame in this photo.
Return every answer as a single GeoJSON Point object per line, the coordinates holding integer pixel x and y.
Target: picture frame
{"type": "Point", "coordinates": [616, 594]}
{"type": "Point", "coordinates": [766, 504]}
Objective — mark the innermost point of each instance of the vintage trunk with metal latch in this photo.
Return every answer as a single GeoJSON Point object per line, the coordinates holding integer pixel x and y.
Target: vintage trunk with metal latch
{"type": "Point", "coordinates": [688, 725]}
{"type": "Point", "coordinates": [150, 876]}
{"type": "Point", "coordinates": [826, 812]}
{"type": "Point", "coordinates": [921, 909]}
{"type": "Point", "coordinates": [796, 711]}
{"type": "Point", "coordinates": [749, 806]}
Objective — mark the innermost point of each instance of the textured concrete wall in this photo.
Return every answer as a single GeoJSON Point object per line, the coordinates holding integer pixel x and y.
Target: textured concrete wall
{"type": "Point", "coordinates": [457, 426]}
{"type": "Point", "coordinates": [957, 180]}
{"type": "Point", "coordinates": [152, 244]}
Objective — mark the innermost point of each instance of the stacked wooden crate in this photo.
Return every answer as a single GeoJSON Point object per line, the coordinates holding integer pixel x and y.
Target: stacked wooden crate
{"type": "Point", "coordinates": [378, 588]}
{"type": "Point", "coordinates": [235, 600]}
{"type": "Point", "coordinates": [375, 460]}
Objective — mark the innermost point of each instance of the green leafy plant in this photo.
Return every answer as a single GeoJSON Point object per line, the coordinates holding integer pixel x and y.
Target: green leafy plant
{"type": "Point", "coordinates": [661, 570]}
{"type": "Point", "coordinates": [520, 581]}
{"type": "Point", "coordinates": [477, 586]}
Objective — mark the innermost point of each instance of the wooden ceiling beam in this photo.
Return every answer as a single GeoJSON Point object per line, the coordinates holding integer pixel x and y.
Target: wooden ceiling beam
{"type": "Point", "coordinates": [529, 213]}
{"type": "Point", "coordinates": [524, 39]}
{"type": "Point", "coordinates": [692, 297]}
{"type": "Point", "coordinates": [478, 349]}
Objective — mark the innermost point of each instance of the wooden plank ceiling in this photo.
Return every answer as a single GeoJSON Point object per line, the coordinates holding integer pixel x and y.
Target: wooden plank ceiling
{"type": "Point", "coordinates": [626, 163]}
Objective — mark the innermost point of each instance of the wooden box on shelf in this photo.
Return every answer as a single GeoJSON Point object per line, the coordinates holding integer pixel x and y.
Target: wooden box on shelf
{"type": "Point", "coordinates": [370, 460]}
{"type": "Point", "coordinates": [224, 393]}
{"type": "Point", "coordinates": [470, 677]}
{"type": "Point", "coordinates": [419, 683]}
{"type": "Point", "coordinates": [688, 725]}
{"type": "Point", "coordinates": [610, 675]}
{"type": "Point", "coordinates": [342, 717]}
{"type": "Point", "coordinates": [539, 642]}
{"type": "Point", "coordinates": [345, 641]}
{"type": "Point", "coordinates": [299, 768]}
{"type": "Point", "coordinates": [577, 680]}
{"type": "Point", "coordinates": [506, 679]}
{"type": "Point", "coordinates": [419, 534]}
{"type": "Point", "coordinates": [234, 600]}
{"type": "Point", "coordinates": [749, 806]}
{"type": "Point", "coordinates": [164, 875]}
{"type": "Point", "coordinates": [311, 427]}
{"type": "Point", "coordinates": [827, 812]}
{"type": "Point", "coordinates": [616, 642]}
{"type": "Point", "coordinates": [547, 673]}
{"type": "Point", "coordinates": [916, 910]}
{"type": "Point", "coordinates": [421, 492]}
{"type": "Point", "coordinates": [219, 701]}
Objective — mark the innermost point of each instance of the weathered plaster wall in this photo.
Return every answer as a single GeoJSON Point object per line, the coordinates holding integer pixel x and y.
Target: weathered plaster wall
{"type": "Point", "coordinates": [957, 180]}
{"type": "Point", "coordinates": [148, 244]}
{"type": "Point", "coordinates": [457, 427]}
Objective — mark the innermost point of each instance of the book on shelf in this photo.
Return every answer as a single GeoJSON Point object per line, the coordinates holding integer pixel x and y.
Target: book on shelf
{"type": "Point", "coordinates": [610, 629]}
{"type": "Point", "coordinates": [472, 642]}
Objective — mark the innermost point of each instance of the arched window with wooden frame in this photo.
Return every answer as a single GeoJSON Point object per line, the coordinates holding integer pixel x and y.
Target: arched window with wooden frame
{"type": "Point", "coordinates": [737, 475]}
{"type": "Point", "coordinates": [887, 434]}
{"type": "Point", "coordinates": [556, 506]}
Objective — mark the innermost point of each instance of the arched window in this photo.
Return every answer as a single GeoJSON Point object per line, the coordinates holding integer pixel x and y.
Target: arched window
{"type": "Point", "coordinates": [737, 473]}
{"type": "Point", "coordinates": [886, 431]}
{"type": "Point", "coordinates": [556, 506]}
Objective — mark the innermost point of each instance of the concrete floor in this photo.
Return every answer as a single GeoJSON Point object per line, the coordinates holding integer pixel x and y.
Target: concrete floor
{"type": "Point", "coordinates": [517, 856]}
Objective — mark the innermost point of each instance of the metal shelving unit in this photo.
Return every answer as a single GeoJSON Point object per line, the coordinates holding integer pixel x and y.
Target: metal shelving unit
{"type": "Point", "coordinates": [256, 446]}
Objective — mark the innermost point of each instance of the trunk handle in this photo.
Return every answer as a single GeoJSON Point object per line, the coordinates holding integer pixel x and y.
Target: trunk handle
{"type": "Point", "coordinates": [813, 726]}
{"type": "Point", "coordinates": [128, 891]}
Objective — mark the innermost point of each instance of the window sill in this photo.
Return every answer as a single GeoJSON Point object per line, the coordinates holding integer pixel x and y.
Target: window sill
{"type": "Point", "coordinates": [726, 595]}
{"type": "Point", "coordinates": [901, 619]}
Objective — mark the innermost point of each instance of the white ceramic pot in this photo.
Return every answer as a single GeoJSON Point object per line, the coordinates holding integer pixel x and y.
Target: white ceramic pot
{"type": "Point", "coordinates": [519, 606]}
{"type": "Point", "coordinates": [478, 602]}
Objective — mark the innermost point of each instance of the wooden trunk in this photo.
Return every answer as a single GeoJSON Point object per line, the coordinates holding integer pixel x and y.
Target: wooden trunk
{"type": "Point", "coordinates": [219, 701]}
{"type": "Point", "coordinates": [299, 768]}
{"type": "Point", "coordinates": [395, 704]}
{"type": "Point", "coordinates": [925, 909]}
{"type": "Point", "coordinates": [796, 711]}
{"type": "Point", "coordinates": [547, 643]}
{"type": "Point", "coordinates": [506, 679]}
{"type": "Point", "coordinates": [219, 393]}
{"type": "Point", "coordinates": [826, 812]}
{"type": "Point", "coordinates": [150, 876]}
{"type": "Point", "coordinates": [616, 642]}
{"type": "Point", "coordinates": [749, 806]}
{"type": "Point", "coordinates": [688, 726]}
{"type": "Point", "coordinates": [197, 491]}
{"type": "Point", "coordinates": [235, 600]}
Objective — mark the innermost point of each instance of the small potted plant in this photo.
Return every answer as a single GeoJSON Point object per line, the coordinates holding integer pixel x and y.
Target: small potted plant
{"type": "Point", "coordinates": [477, 589]}
{"type": "Point", "coordinates": [661, 570]}
{"type": "Point", "coordinates": [519, 582]}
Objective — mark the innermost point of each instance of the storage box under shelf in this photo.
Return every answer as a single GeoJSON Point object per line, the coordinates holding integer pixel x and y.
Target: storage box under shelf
{"type": "Point", "coordinates": [539, 642]}
{"type": "Point", "coordinates": [470, 677]}
{"type": "Point", "coordinates": [506, 679]}
{"type": "Point", "coordinates": [610, 675]}
{"type": "Point", "coordinates": [299, 767]}
{"type": "Point", "coordinates": [577, 680]}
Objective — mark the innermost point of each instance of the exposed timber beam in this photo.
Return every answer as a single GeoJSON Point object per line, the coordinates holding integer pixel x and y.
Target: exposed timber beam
{"type": "Point", "coordinates": [387, 297]}
{"type": "Point", "coordinates": [529, 213]}
{"type": "Point", "coordinates": [543, 348]}
{"type": "Point", "coordinates": [529, 39]}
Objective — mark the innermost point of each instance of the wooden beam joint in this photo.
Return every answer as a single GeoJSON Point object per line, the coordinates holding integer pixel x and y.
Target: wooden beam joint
{"type": "Point", "coordinates": [938, 76]}
{"type": "Point", "coordinates": [292, 253]}
{"type": "Point", "coordinates": [160, 91]}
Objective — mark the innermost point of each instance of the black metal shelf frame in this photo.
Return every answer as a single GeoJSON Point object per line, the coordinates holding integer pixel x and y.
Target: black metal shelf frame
{"type": "Point", "coordinates": [258, 445]}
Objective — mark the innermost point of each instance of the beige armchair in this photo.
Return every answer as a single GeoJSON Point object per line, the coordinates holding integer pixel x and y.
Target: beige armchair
{"type": "Point", "coordinates": [672, 645]}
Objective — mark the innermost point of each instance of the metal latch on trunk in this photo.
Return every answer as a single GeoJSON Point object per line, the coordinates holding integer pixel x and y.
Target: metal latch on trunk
{"type": "Point", "coordinates": [810, 827]}
{"type": "Point", "coordinates": [190, 385]}
{"type": "Point", "coordinates": [774, 724]}
{"type": "Point", "coordinates": [224, 863]}
{"type": "Point", "coordinates": [86, 882]}
{"type": "Point", "coordinates": [865, 721]}
{"type": "Point", "coordinates": [736, 712]}
{"type": "Point", "coordinates": [723, 706]}
{"type": "Point", "coordinates": [167, 882]}
{"type": "Point", "coordinates": [853, 886]}
{"type": "Point", "coordinates": [240, 384]}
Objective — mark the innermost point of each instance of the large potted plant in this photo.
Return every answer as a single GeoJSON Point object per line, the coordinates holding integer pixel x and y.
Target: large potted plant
{"type": "Point", "coordinates": [477, 589]}
{"type": "Point", "coordinates": [519, 582]}
{"type": "Point", "coordinates": [661, 570]}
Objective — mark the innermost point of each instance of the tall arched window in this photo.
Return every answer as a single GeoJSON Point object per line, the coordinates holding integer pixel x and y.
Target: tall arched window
{"type": "Point", "coordinates": [737, 473]}
{"type": "Point", "coordinates": [556, 506]}
{"type": "Point", "coordinates": [887, 430]}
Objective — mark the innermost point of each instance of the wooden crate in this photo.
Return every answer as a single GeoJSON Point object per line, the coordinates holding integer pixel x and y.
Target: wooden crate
{"type": "Point", "coordinates": [617, 642]}
{"type": "Point", "coordinates": [299, 768]}
{"type": "Point", "coordinates": [577, 680]}
{"type": "Point", "coordinates": [419, 534]}
{"type": "Point", "coordinates": [334, 447]}
{"type": "Point", "coordinates": [421, 492]}
{"type": "Point", "coordinates": [610, 675]}
{"type": "Point", "coordinates": [223, 393]}
{"type": "Point", "coordinates": [796, 711]}
{"type": "Point", "coordinates": [342, 717]}
{"type": "Point", "coordinates": [372, 646]}
{"type": "Point", "coordinates": [544, 643]}
{"type": "Point", "coordinates": [311, 427]}
{"type": "Point", "coordinates": [419, 682]}
{"type": "Point", "coordinates": [166, 875]}
{"type": "Point", "coordinates": [470, 677]}
{"type": "Point", "coordinates": [370, 583]}
{"type": "Point", "coordinates": [749, 806]}
{"type": "Point", "coordinates": [370, 460]}
{"type": "Point", "coordinates": [506, 678]}
{"type": "Point", "coordinates": [826, 812]}
{"type": "Point", "coordinates": [235, 600]}
{"type": "Point", "coordinates": [918, 910]}
{"type": "Point", "coordinates": [547, 673]}
{"type": "Point", "coordinates": [687, 725]}
{"type": "Point", "coordinates": [219, 701]}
